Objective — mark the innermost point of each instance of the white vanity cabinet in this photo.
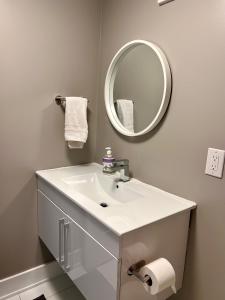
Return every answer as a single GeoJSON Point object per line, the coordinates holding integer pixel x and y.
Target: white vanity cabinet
{"type": "Point", "coordinates": [95, 245]}
{"type": "Point", "coordinates": [90, 266]}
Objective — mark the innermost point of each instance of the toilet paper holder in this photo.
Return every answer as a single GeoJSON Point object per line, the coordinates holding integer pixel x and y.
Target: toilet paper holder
{"type": "Point", "coordinates": [134, 271]}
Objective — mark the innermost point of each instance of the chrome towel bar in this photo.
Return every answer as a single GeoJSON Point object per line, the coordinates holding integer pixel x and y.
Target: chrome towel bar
{"type": "Point", "coordinates": [61, 101]}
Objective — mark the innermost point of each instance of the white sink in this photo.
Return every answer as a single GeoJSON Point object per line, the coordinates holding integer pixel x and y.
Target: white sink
{"type": "Point", "coordinates": [129, 205]}
{"type": "Point", "coordinates": [102, 189]}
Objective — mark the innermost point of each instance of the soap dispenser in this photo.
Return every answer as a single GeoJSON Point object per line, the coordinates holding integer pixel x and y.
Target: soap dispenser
{"type": "Point", "coordinates": [108, 161]}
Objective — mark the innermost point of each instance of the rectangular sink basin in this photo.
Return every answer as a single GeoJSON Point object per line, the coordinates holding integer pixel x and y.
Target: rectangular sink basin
{"type": "Point", "coordinates": [102, 189]}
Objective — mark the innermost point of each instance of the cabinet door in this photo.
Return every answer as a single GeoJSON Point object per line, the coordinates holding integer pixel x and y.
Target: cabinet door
{"type": "Point", "coordinates": [51, 222]}
{"type": "Point", "coordinates": [91, 267]}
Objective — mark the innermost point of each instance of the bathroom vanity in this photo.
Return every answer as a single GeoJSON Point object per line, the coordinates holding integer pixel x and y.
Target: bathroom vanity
{"type": "Point", "coordinates": [97, 227]}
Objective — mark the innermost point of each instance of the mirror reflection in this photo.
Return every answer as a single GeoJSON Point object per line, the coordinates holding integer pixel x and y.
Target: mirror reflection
{"type": "Point", "coordinates": [138, 88]}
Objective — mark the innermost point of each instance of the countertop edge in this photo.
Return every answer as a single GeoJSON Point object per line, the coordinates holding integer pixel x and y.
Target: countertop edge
{"type": "Point", "coordinates": [192, 205]}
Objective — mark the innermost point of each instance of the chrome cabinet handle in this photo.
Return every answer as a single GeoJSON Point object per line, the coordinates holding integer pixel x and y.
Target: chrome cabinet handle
{"type": "Point", "coordinates": [66, 245]}
{"type": "Point", "coordinates": [61, 224]}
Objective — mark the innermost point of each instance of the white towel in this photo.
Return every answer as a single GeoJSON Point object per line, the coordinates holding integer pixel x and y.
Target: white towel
{"type": "Point", "coordinates": [125, 111]}
{"type": "Point", "coordinates": [76, 127]}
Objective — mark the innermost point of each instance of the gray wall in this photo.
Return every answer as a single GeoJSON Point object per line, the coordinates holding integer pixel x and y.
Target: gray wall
{"type": "Point", "coordinates": [173, 157]}
{"type": "Point", "coordinates": [51, 46]}
{"type": "Point", "coordinates": [47, 47]}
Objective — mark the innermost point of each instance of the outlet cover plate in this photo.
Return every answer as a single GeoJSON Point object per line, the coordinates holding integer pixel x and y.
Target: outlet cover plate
{"type": "Point", "coordinates": [215, 162]}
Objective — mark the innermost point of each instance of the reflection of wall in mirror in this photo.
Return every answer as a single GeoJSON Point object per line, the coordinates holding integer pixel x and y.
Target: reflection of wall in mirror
{"type": "Point", "coordinates": [140, 78]}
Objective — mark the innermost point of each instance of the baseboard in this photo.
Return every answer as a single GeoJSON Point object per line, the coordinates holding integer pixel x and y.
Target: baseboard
{"type": "Point", "coordinates": [23, 281]}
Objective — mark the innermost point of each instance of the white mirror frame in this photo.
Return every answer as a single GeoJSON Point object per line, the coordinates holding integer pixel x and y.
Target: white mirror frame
{"type": "Point", "coordinates": [110, 80]}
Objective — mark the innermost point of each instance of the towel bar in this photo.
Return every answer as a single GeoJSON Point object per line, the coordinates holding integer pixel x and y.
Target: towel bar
{"type": "Point", "coordinates": [61, 101]}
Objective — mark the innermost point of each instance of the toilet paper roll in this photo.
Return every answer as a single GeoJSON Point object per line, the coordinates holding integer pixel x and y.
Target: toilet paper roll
{"type": "Point", "coordinates": [162, 275]}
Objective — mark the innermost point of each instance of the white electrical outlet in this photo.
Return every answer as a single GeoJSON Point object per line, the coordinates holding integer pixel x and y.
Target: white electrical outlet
{"type": "Point", "coordinates": [215, 162]}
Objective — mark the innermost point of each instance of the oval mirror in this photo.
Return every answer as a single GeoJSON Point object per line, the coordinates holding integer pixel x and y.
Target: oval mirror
{"type": "Point", "coordinates": [137, 88]}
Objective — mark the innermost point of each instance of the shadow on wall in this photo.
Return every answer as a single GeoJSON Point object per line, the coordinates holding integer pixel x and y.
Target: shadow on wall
{"type": "Point", "coordinates": [18, 230]}
{"type": "Point", "coordinates": [191, 264]}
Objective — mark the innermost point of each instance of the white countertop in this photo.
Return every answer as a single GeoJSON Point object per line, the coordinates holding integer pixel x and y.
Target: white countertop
{"type": "Point", "coordinates": [152, 205]}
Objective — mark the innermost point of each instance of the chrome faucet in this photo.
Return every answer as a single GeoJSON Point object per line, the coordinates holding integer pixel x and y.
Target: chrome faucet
{"type": "Point", "coordinates": [122, 167]}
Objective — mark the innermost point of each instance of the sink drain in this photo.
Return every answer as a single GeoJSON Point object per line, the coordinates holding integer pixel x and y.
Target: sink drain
{"type": "Point", "coordinates": [103, 204]}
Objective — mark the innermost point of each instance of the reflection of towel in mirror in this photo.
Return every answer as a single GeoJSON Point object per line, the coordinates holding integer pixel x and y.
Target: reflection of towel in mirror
{"type": "Point", "coordinates": [125, 111]}
{"type": "Point", "coordinates": [76, 127]}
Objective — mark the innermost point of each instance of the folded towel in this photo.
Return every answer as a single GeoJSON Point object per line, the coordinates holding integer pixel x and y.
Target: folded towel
{"type": "Point", "coordinates": [125, 111]}
{"type": "Point", "coordinates": [76, 127]}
